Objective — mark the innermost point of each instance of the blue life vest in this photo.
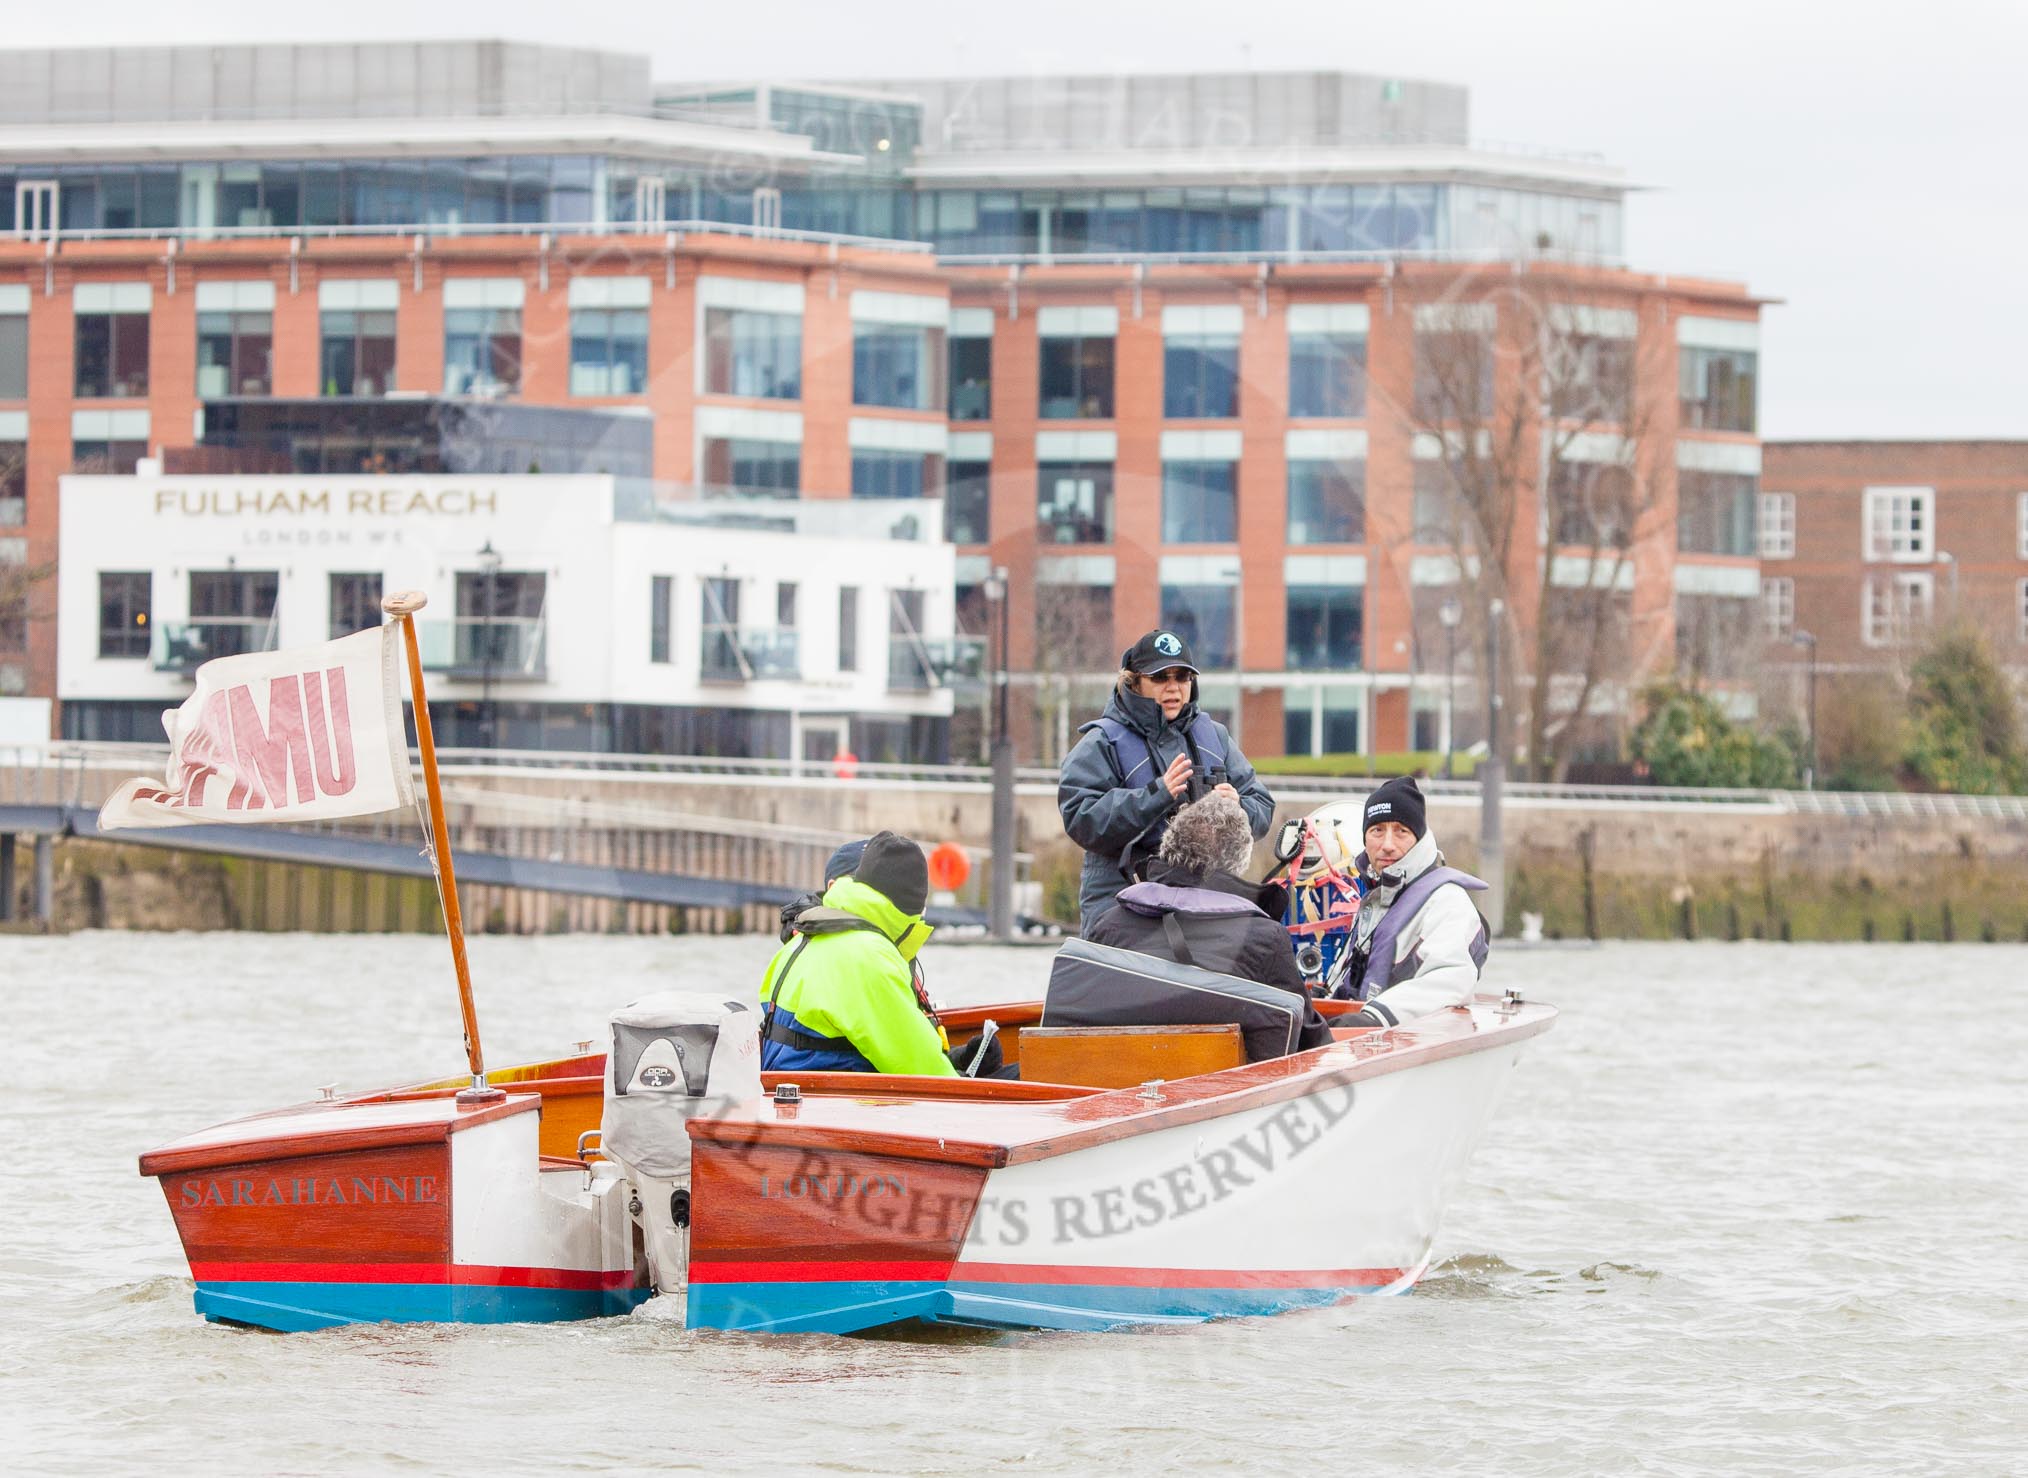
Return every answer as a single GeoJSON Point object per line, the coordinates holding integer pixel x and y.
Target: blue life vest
{"type": "Point", "coordinates": [1136, 763]}
{"type": "Point", "coordinates": [1369, 974]}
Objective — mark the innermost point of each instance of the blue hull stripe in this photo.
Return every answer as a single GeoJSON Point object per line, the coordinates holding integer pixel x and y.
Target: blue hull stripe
{"type": "Point", "coordinates": [845, 1306]}
{"type": "Point", "coordinates": [299, 1306]}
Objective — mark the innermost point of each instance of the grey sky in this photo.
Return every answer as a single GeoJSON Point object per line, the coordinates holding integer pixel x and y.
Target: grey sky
{"type": "Point", "coordinates": [1852, 161]}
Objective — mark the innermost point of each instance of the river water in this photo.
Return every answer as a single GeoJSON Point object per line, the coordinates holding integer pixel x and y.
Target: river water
{"type": "Point", "coordinates": [1748, 1208]}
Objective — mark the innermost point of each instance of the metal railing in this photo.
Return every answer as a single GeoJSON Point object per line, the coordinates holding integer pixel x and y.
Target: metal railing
{"type": "Point", "coordinates": [83, 774]}
{"type": "Point", "coordinates": [184, 646]}
{"type": "Point", "coordinates": [749, 654]}
{"type": "Point", "coordinates": [671, 232]}
{"type": "Point", "coordinates": [512, 648]}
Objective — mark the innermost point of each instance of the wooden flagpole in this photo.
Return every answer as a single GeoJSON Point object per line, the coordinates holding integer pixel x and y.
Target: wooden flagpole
{"type": "Point", "coordinates": [402, 606]}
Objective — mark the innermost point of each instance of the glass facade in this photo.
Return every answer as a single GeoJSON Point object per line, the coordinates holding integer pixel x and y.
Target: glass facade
{"type": "Point", "coordinates": [235, 354]}
{"type": "Point", "coordinates": [971, 379]}
{"type": "Point", "coordinates": [482, 351]}
{"type": "Point", "coordinates": [891, 474]}
{"type": "Point", "coordinates": [356, 352]}
{"type": "Point", "coordinates": [754, 466]}
{"type": "Point", "coordinates": [112, 356]}
{"type": "Point", "coordinates": [1716, 389]}
{"type": "Point", "coordinates": [968, 502]}
{"type": "Point", "coordinates": [124, 598]}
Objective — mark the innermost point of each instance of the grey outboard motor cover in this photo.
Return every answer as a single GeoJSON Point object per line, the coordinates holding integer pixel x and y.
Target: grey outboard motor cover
{"type": "Point", "coordinates": [1098, 985]}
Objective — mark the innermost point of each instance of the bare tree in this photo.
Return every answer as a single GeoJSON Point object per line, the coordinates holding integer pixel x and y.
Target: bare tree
{"type": "Point", "coordinates": [24, 599]}
{"type": "Point", "coordinates": [1535, 419]}
{"type": "Point", "coordinates": [1075, 658]}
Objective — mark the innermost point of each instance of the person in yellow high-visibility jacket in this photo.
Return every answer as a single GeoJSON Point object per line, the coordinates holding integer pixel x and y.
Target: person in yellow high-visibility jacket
{"type": "Point", "coordinates": [839, 995]}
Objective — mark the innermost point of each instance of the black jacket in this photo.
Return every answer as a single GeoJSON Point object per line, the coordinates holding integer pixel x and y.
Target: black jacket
{"type": "Point", "coordinates": [1223, 925]}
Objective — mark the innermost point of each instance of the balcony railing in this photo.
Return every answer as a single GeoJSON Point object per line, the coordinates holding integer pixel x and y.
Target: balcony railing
{"type": "Point", "coordinates": [749, 654]}
{"type": "Point", "coordinates": [181, 646]}
{"type": "Point", "coordinates": [917, 666]}
{"type": "Point", "coordinates": [507, 648]}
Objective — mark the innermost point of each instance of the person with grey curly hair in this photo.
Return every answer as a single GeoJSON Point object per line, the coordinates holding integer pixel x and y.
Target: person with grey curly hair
{"type": "Point", "coordinates": [1194, 908]}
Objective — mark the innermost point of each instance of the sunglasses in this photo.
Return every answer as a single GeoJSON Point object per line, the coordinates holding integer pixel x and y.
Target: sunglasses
{"type": "Point", "coordinates": [1175, 675]}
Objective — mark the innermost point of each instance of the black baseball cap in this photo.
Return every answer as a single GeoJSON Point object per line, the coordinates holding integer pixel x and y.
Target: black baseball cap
{"type": "Point", "coordinates": [1158, 651]}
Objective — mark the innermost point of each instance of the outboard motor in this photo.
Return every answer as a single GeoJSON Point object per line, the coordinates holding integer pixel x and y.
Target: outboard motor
{"type": "Point", "coordinates": [672, 1058]}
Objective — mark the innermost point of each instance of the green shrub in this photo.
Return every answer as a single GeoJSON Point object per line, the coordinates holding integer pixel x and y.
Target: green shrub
{"type": "Point", "coordinates": [1962, 733]}
{"type": "Point", "coordinates": [1686, 739]}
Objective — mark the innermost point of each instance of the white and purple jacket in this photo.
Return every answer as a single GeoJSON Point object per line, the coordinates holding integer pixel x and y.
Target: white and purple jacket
{"type": "Point", "coordinates": [1419, 944]}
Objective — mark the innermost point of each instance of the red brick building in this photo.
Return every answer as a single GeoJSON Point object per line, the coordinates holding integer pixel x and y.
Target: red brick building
{"type": "Point", "coordinates": [1161, 377]}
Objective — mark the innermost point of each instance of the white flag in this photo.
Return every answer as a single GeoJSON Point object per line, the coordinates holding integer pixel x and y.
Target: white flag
{"type": "Point", "coordinates": [281, 736]}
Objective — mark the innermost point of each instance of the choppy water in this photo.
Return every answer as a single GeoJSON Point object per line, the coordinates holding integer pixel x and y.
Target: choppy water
{"type": "Point", "coordinates": [1747, 1209]}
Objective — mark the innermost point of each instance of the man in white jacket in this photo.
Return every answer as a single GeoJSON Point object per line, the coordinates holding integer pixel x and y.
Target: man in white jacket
{"type": "Point", "coordinates": [1420, 942]}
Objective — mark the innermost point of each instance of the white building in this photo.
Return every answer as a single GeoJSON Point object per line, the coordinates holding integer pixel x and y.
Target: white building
{"type": "Point", "coordinates": [566, 612]}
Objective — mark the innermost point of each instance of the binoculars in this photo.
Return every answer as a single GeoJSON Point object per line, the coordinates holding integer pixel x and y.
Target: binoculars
{"type": "Point", "coordinates": [1202, 783]}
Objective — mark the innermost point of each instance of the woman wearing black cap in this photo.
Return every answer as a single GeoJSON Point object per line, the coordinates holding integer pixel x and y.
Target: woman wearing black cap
{"type": "Point", "coordinates": [1151, 751]}
{"type": "Point", "coordinates": [1419, 942]}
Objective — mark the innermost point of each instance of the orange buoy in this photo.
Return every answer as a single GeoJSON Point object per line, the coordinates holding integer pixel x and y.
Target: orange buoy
{"type": "Point", "coordinates": [949, 867]}
{"type": "Point", "coordinates": [845, 764]}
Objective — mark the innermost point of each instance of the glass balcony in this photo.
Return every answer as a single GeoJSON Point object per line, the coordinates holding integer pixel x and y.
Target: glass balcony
{"type": "Point", "coordinates": [182, 646]}
{"type": "Point", "coordinates": [749, 654]}
{"type": "Point", "coordinates": [511, 648]}
{"type": "Point", "coordinates": [917, 666]}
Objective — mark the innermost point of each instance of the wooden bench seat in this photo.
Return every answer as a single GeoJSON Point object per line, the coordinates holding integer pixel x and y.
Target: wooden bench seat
{"type": "Point", "coordinates": [1126, 1056]}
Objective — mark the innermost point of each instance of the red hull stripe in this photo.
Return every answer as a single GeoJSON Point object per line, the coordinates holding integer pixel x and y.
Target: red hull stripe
{"type": "Point", "coordinates": [1042, 1273]}
{"type": "Point", "coordinates": [469, 1275]}
{"type": "Point", "coordinates": [816, 1272]}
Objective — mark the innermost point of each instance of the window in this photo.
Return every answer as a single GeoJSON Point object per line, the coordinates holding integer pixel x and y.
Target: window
{"type": "Point", "coordinates": [1327, 501]}
{"type": "Point", "coordinates": [357, 353]}
{"type": "Point", "coordinates": [754, 466]}
{"type": "Point", "coordinates": [1778, 607]}
{"type": "Point", "coordinates": [1325, 626]}
{"type": "Point", "coordinates": [235, 354]}
{"type": "Point", "coordinates": [500, 621]}
{"type": "Point", "coordinates": [968, 503]}
{"type": "Point", "coordinates": [1200, 502]}
{"type": "Point", "coordinates": [1715, 511]}
{"type": "Point", "coordinates": [747, 352]}
{"type": "Point", "coordinates": [355, 603]}
{"type": "Point", "coordinates": [231, 612]}
{"type": "Point", "coordinates": [1074, 628]}
{"type": "Point", "coordinates": [1897, 605]}
{"type": "Point", "coordinates": [1077, 377]}
{"type": "Point", "coordinates": [482, 335]}
{"type": "Point", "coordinates": [1074, 502]}
{"type": "Point", "coordinates": [13, 348]}
{"type": "Point", "coordinates": [879, 473]}
{"type": "Point", "coordinates": [13, 484]}
{"type": "Point", "coordinates": [608, 351]}
{"type": "Point", "coordinates": [1591, 377]}
{"type": "Point", "coordinates": [1453, 374]}
{"type": "Point", "coordinates": [908, 660]}
{"type": "Point", "coordinates": [1592, 504]}
{"type": "Point", "coordinates": [1899, 525]}
{"type": "Point", "coordinates": [972, 379]}
{"type": "Point", "coordinates": [1203, 616]}
{"type": "Point", "coordinates": [2021, 610]}
{"type": "Point", "coordinates": [661, 589]}
{"type": "Point", "coordinates": [719, 656]}
{"type": "Point", "coordinates": [1718, 636]}
{"type": "Point", "coordinates": [124, 599]}
{"type": "Point", "coordinates": [1200, 376]}
{"type": "Point", "coordinates": [785, 605]}
{"type": "Point", "coordinates": [111, 340]}
{"type": "Point", "coordinates": [1777, 525]}
{"type": "Point", "coordinates": [898, 365]}
{"type": "Point", "coordinates": [1715, 389]}
{"type": "Point", "coordinates": [848, 629]}
{"type": "Point", "coordinates": [108, 441]}
{"type": "Point", "coordinates": [1327, 373]}
{"type": "Point", "coordinates": [1440, 512]}
{"type": "Point", "coordinates": [1325, 720]}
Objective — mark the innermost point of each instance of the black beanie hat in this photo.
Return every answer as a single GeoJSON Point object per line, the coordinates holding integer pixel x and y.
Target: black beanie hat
{"type": "Point", "coordinates": [1397, 800]}
{"type": "Point", "coordinates": [843, 861]}
{"type": "Point", "coordinates": [895, 866]}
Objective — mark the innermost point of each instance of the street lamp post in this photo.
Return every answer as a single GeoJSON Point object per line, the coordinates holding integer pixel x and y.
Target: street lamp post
{"type": "Point", "coordinates": [489, 562]}
{"type": "Point", "coordinates": [1450, 613]}
{"type": "Point", "coordinates": [1492, 849]}
{"type": "Point", "coordinates": [1002, 902]}
{"type": "Point", "coordinates": [1809, 640]}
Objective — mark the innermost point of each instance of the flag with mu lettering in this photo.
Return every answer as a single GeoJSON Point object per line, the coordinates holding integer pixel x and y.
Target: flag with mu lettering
{"type": "Point", "coordinates": [306, 735]}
